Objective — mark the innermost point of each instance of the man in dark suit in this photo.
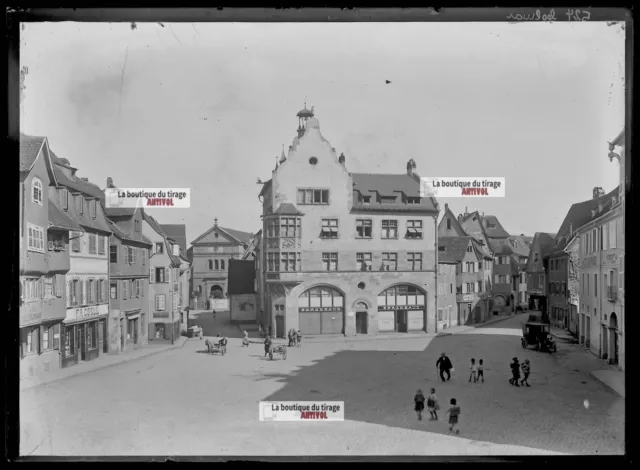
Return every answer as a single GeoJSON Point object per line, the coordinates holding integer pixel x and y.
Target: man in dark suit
{"type": "Point", "coordinates": [444, 366]}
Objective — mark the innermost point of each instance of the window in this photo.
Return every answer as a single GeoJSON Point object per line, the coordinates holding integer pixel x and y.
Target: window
{"type": "Point", "coordinates": [48, 287]}
{"type": "Point", "coordinates": [75, 241]}
{"type": "Point", "coordinates": [64, 199]}
{"type": "Point", "coordinates": [144, 256]}
{"type": "Point", "coordinates": [102, 241]}
{"type": "Point", "coordinates": [363, 260]}
{"type": "Point", "coordinates": [92, 335]}
{"type": "Point", "coordinates": [588, 286]}
{"type": "Point", "coordinates": [415, 261]}
{"type": "Point", "coordinates": [92, 244]}
{"type": "Point", "coordinates": [289, 226]}
{"type": "Point", "coordinates": [137, 226]}
{"type": "Point", "coordinates": [366, 199]}
{"type": "Point", "coordinates": [388, 199]}
{"type": "Point", "coordinates": [160, 275]}
{"type": "Point", "coordinates": [46, 331]}
{"type": "Point", "coordinates": [389, 229]}
{"type": "Point", "coordinates": [222, 264]}
{"type": "Point", "coordinates": [330, 261]}
{"type": "Point", "coordinates": [80, 204]}
{"type": "Point", "coordinates": [30, 340]}
{"type": "Point", "coordinates": [160, 302]}
{"type": "Point", "coordinates": [217, 265]}
{"type": "Point", "coordinates": [75, 292]}
{"type": "Point", "coordinates": [132, 254]}
{"type": "Point", "coordinates": [273, 229]}
{"type": "Point", "coordinates": [540, 281]}
{"type": "Point", "coordinates": [94, 209]}
{"type": "Point", "coordinates": [159, 248]}
{"type": "Point", "coordinates": [414, 229]}
{"type": "Point", "coordinates": [36, 195]}
{"type": "Point", "coordinates": [125, 290]}
{"type": "Point", "coordinates": [290, 262]}
{"type": "Point", "coordinates": [448, 224]}
{"type": "Point", "coordinates": [113, 254]}
{"type": "Point", "coordinates": [313, 196]}
{"type": "Point", "coordinates": [479, 286]}
{"type": "Point", "coordinates": [273, 262]}
{"type": "Point", "coordinates": [535, 257]}
{"type": "Point", "coordinates": [595, 285]}
{"type": "Point", "coordinates": [413, 200]}
{"type": "Point", "coordinates": [364, 228]}
{"type": "Point", "coordinates": [138, 287]}
{"type": "Point", "coordinates": [470, 267]}
{"type": "Point", "coordinates": [113, 295]}
{"type": "Point", "coordinates": [210, 262]}
{"type": "Point", "coordinates": [440, 314]}
{"type": "Point", "coordinates": [389, 261]}
{"type": "Point", "coordinates": [329, 228]}
{"type": "Point", "coordinates": [502, 279]}
{"type": "Point", "coordinates": [469, 249]}
{"type": "Point", "coordinates": [90, 298]}
{"type": "Point", "coordinates": [36, 238]}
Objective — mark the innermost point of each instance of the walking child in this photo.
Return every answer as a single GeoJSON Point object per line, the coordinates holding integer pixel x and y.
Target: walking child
{"type": "Point", "coordinates": [419, 403]}
{"type": "Point", "coordinates": [454, 412]}
{"type": "Point", "coordinates": [432, 405]}
{"type": "Point", "coordinates": [526, 370]}
{"type": "Point", "coordinates": [515, 372]}
{"type": "Point", "coordinates": [245, 338]}
{"type": "Point", "coordinates": [474, 371]}
{"type": "Point", "coordinates": [298, 338]}
{"type": "Point", "coordinates": [481, 370]}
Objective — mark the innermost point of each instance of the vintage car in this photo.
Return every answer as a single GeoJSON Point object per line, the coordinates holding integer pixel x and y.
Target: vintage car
{"type": "Point", "coordinates": [538, 334]}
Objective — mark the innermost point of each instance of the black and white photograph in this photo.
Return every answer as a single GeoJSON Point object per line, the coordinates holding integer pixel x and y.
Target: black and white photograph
{"type": "Point", "coordinates": [321, 233]}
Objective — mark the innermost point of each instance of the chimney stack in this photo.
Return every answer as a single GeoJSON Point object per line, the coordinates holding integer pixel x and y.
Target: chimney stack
{"type": "Point", "coordinates": [215, 222]}
{"type": "Point", "coordinates": [597, 192]}
{"type": "Point", "coordinates": [342, 159]}
{"type": "Point", "coordinates": [109, 182]}
{"type": "Point", "coordinates": [446, 207]}
{"type": "Point", "coordinates": [411, 167]}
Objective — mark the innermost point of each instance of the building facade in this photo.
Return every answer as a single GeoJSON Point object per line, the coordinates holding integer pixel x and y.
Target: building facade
{"type": "Point", "coordinates": [447, 313]}
{"type": "Point", "coordinates": [346, 253]}
{"type": "Point", "coordinates": [557, 262]}
{"type": "Point", "coordinates": [164, 275]}
{"type": "Point", "coordinates": [177, 235]}
{"type": "Point", "coordinates": [44, 260]}
{"type": "Point", "coordinates": [84, 335]}
{"type": "Point", "coordinates": [211, 254]}
{"type": "Point", "coordinates": [537, 287]}
{"type": "Point", "coordinates": [601, 277]}
{"type": "Point", "coordinates": [572, 249]}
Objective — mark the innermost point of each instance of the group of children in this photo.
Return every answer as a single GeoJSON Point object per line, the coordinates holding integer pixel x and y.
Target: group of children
{"type": "Point", "coordinates": [477, 371]}
{"type": "Point", "coordinates": [433, 407]}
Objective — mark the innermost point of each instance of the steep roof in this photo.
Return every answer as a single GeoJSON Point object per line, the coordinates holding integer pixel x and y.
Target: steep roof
{"type": "Point", "coordinates": [492, 227]}
{"type": "Point", "coordinates": [455, 224]}
{"type": "Point", "coordinates": [154, 224]}
{"type": "Point", "coordinates": [177, 232]}
{"type": "Point", "coordinates": [501, 246]}
{"type": "Point", "coordinates": [286, 208]}
{"type": "Point", "coordinates": [454, 249]}
{"type": "Point", "coordinates": [244, 237]}
{"type": "Point", "coordinates": [389, 185]}
{"type": "Point", "coordinates": [123, 236]}
{"type": "Point", "coordinates": [29, 149]}
{"type": "Point", "coordinates": [580, 213]}
{"type": "Point", "coordinates": [265, 187]}
{"type": "Point", "coordinates": [77, 184]}
{"type": "Point", "coordinates": [542, 243]}
{"type": "Point", "coordinates": [58, 219]}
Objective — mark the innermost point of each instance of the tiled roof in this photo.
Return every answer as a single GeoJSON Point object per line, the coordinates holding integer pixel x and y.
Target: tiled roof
{"type": "Point", "coordinates": [60, 220]}
{"type": "Point", "coordinates": [242, 274]}
{"type": "Point", "coordinates": [29, 149]}
{"type": "Point", "coordinates": [390, 184]}
{"type": "Point", "coordinates": [265, 187]}
{"type": "Point", "coordinates": [454, 249]}
{"type": "Point", "coordinates": [78, 184]}
{"type": "Point", "coordinates": [455, 224]}
{"type": "Point", "coordinates": [61, 161]}
{"type": "Point", "coordinates": [542, 243]}
{"type": "Point", "coordinates": [287, 208]}
{"type": "Point", "coordinates": [501, 246]}
{"type": "Point", "coordinates": [153, 223]}
{"type": "Point", "coordinates": [580, 213]}
{"type": "Point", "coordinates": [493, 232]}
{"type": "Point", "coordinates": [123, 236]}
{"type": "Point", "coordinates": [177, 232]}
{"type": "Point", "coordinates": [244, 237]}
{"type": "Point", "coordinates": [515, 267]}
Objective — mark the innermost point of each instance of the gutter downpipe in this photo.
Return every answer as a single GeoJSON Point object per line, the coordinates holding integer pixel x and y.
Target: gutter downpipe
{"type": "Point", "coordinates": [435, 226]}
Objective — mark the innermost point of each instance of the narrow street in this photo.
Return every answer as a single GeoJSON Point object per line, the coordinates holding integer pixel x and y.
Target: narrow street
{"type": "Point", "coordinates": [187, 402]}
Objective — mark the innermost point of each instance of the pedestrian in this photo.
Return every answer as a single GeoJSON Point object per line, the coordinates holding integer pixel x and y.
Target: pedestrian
{"type": "Point", "coordinates": [473, 371]}
{"type": "Point", "coordinates": [444, 365]}
{"type": "Point", "coordinates": [515, 372]}
{"type": "Point", "coordinates": [526, 370]}
{"type": "Point", "coordinates": [214, 313]}
{"type": "Point", "coordinates": [454, 412]}
{"type": "Point", "coordinates": [481, 370]}
{"type": "Point", "coordinates": [245, 339]}
{"type": "Point", "coordinates": [418, 399]}
{"type": "Point", "coordinates": [299, 338]}
{"type": "Point", "coordinates": [432, 405]}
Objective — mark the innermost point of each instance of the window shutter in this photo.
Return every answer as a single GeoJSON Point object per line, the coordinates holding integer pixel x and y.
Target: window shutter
{"type": "Point", "coordinates": [497, 279]}
{"type": "Point", "coordinates": [84, 292]}
{"type": "Point", "coordinates": [508, 278]}
{"type": "Point", "coordinates": [166, 275]}
{"type": "Point", "coordinates": [56, 336]}
{"type": "Point", "coordinates": [464, 288]}
{"type": "Point", "coordinates": [152, 275]}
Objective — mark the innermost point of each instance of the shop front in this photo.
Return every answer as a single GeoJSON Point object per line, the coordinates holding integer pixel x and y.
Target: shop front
{"type": "Point", "coordinates": [321, 311]}
{"type": "Point", "coordinates": [402, 309]}
{"type": "Point", "coordinates": [133, 328]}
{"type": "Point", "coordinates": [84, 334]}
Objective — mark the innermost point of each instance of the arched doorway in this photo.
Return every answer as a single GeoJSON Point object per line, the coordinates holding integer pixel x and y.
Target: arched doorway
{"type": "Point", "coordinates": [362, 318]}
{"type": "Point", "coordinates": [216, 292]}
{"type": "Point", "coordinates": [613, 338]}
{"type": "Point", "coordinates": [499, 303]}
{"type": "Point", "coordinates": [402, 308]}
{"type": "Point", "coordinates": [321, 311]}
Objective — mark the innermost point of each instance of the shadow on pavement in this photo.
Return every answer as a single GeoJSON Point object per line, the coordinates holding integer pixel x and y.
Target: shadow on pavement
{"type": "Point", "coordinates": [212, 326]}
{"type": "Point", "coordinates": [378, 387]}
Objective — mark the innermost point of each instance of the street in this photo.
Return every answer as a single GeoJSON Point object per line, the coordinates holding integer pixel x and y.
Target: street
{"type": "Point", "coordinates": [186, 402]}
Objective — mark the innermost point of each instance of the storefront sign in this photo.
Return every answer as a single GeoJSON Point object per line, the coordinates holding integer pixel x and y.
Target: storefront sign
{"type": "Point", "coordinates": [467, 298]}
{"type": "Point", "coordinates": [382, 308]}
{"type": "Point", "coordinates": [321, 309]}
{"type": "Point", "coordinates": [535, 292]}
{"type": "Point", "coordinates": [86, 313]}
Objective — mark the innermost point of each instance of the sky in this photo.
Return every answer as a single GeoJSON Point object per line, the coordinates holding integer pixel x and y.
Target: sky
{"type": "Point", "coordinates": [208, 106]}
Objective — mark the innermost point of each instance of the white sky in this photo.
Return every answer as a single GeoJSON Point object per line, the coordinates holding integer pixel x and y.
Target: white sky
{"type": "Point", "coordinates": [208, 106]}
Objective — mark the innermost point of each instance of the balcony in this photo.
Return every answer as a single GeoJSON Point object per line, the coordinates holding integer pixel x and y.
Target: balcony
{"type": "Point", "coordinates": [612, 293]}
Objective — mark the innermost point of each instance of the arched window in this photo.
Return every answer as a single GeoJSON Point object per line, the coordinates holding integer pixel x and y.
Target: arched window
{"type": "Point", "coordinates": [321, 297]}
{"type": "Point", "coordinates": [210, 265]}
{"type": "Point", "coordinates": [401, 295]}
{"type": "Point", "coordinates": [36, 186]}
{"type": "Point", "coordinates": [222, 264]}
{"type": "Point", "coordinates": [217, 265]}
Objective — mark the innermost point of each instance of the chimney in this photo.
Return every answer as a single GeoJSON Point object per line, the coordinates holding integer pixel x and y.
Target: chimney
{"type": "Point", "coordinates": [85, 179]}
{"type": "Point", "coordinates": [411, 166]}
{"type": "Point", "coordinates": [597, 192]}
{"type": "Point", "coordinates": [215, 222]}
{"type": "Point", "coordinates": [446, 207]}
{"type": "Point", "coordinates": [109, 182]}
{"type": "Point", "coordinates": [342, 159]}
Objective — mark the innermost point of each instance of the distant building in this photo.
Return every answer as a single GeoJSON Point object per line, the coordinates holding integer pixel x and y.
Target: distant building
{"type": "Point", "coordinates": [537, 287]}
{"type": "Point", "coordinates": [346, 253]}
{"type": "Point", "coordinates": [243, 307]}
{"type": "Point", "coordinates": [177, 233]}
{"type": "Point", "coordinates": [211, 253]}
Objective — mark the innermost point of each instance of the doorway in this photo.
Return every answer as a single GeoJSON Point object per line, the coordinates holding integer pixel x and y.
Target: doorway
{"type": "Point", "coordinates": [361, 323]}
{"type": "Point", "coordinates": [82, 342]}
{"type": "Point", "coordinates": [401, 321]}
{"type": "Point", "coordinates": [587, 340]}
{"type": "Point", "coordinates": [280, 326]}
{"type": "Point", "coordinates": [604, 335]}
{"type": "Point", "coordinates": [121, 334]}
